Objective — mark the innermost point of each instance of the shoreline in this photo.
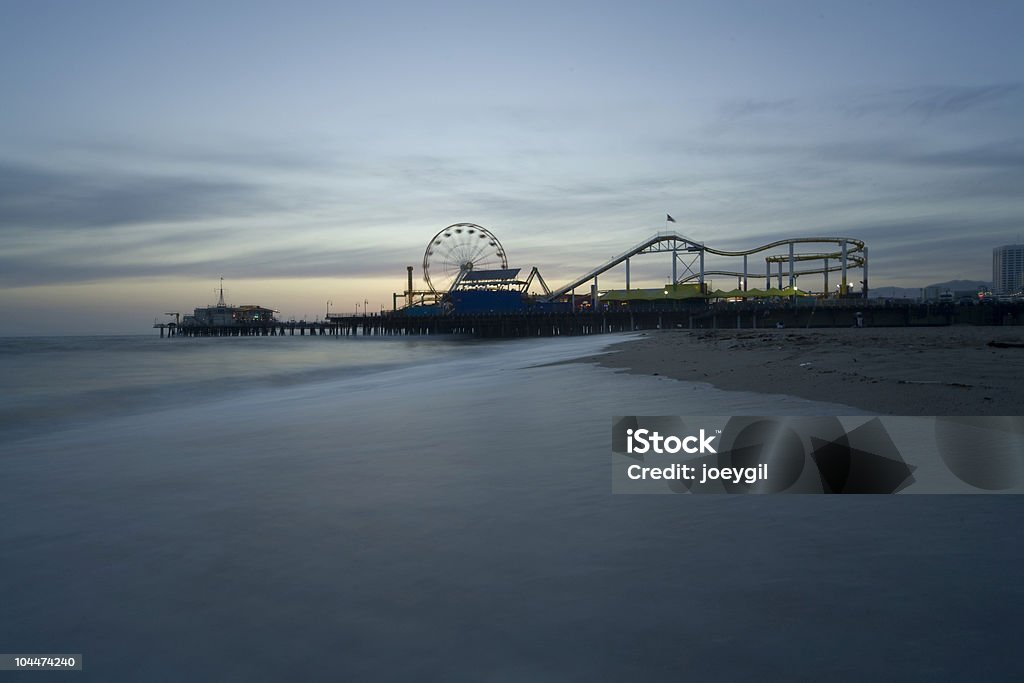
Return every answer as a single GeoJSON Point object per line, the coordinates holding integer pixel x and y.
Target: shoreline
{"type": "Point", "coordinates": [894, 371]}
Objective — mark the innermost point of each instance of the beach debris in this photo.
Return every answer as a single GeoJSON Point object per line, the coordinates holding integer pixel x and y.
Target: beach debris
{"type": "Point", "coordinates": [935, 381]}
{"type": "Point", "coordinates": [1006, 345]}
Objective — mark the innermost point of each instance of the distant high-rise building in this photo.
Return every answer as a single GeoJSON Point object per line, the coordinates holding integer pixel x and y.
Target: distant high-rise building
{"type": "Point", "coordinates": [1008, 269]}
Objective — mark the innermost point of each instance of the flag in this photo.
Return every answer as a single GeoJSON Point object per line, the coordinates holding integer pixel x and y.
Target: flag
{"type": "Point", "coordinates": [669, 219]}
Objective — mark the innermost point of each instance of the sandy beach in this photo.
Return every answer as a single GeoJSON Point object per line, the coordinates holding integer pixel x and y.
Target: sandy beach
{"type": "Point", "coordinates": [895, 371]}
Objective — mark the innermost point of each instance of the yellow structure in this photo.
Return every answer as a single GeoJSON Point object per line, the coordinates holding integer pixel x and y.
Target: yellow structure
{"type": "Point", "coordinates": [693, 291]}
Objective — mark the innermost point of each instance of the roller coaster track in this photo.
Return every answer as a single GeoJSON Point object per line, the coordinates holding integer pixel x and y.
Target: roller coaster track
{"type": "Point", "coordinates": [855, 256]}
{"type": "Point", "coordinates": [647, 246]}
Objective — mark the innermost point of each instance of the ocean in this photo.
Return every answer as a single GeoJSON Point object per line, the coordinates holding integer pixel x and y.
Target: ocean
{"type": "Point", "coordinates": [356, 509]}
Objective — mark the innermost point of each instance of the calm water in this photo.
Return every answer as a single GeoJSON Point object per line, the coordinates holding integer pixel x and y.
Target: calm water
{"type": "Point", "coordinates": [61, 379]}
{"type": "Point", "coordinates": [323, 509]}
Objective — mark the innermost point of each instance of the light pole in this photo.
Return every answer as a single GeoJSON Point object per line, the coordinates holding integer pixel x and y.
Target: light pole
{"type": "Point", "coordinates": [357, 309]}
{"type": "Point", "coordinates": [365, 304]}
{"type": "Point", "coordinates": [329, 308]}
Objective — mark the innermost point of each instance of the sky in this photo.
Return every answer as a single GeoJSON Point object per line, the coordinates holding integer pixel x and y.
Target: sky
{"type": "Point", "coordinates": [306, 152]}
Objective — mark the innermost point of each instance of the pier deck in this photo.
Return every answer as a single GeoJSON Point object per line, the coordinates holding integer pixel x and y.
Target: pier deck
{"type": "Point", "coordinates": [721, 316]}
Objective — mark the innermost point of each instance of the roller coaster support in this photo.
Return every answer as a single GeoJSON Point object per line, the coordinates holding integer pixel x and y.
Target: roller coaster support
{"type": "Point", "coordinates": [844, 286]}
{"type": "Point", "coordinates": [865, 272]}
{"type": "Point", "coordinates": [792, 264]}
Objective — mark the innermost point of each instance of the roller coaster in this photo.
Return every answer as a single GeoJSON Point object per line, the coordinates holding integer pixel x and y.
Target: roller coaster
{"type": "Point", "coordinates": [850, 253]}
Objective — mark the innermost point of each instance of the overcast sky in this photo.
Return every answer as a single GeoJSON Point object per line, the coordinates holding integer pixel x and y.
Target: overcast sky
{"type": "Point", "coordinates": [307, 152]}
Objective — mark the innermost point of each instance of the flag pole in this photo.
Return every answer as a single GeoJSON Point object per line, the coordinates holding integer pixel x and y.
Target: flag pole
{"type": "Point", "coordinates": [675, 254]}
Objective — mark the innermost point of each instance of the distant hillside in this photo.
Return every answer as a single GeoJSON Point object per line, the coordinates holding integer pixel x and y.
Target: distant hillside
{"type": "Point", "coordinates": [958, 285]}
{"type": "Point", "coordinates": [915, 292]}
{"type": "Point", "coordinates": [894, 292]}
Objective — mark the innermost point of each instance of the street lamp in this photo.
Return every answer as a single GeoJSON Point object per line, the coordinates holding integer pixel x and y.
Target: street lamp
{"type": "Point", "coordinates": [357, 309]}
{"type": "Point", "coordinates": [329, 308]}
{"type": "Point", "coordinates": [365, 304]}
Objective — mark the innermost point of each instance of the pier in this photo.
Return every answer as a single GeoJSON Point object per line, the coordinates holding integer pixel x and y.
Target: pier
{"type": "Point", "coordinates": [857, 313]}
{"type": "Point", "coordinates": [397, 324]}
{"type": "Point", "coordinates": [472, 292]}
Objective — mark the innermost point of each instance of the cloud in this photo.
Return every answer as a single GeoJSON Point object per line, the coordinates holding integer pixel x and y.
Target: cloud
{"type": "Point", "coordinates": [38, 198]}
{"type": "Point", "coordinates": [1004, 155]}
{"type": "Point", "coordinates": [931, 102]}
{"type": "Point", "coordinates": [945, 100]}
{"type": "Point", "coordinates": [75, 265]}
{"type": "Point", "coordinates": [740, 109]}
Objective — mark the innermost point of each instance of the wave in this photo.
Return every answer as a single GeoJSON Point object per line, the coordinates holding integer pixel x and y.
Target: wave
{"type": "Point", "coordinates": [68, 381]}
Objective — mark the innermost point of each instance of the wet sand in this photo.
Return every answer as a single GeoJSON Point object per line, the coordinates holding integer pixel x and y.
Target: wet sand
{"type": "Point", "coordinates": [896, 371]}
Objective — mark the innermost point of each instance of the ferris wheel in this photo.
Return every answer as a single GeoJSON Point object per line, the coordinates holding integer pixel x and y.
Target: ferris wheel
{"type": "Point", "coordinates": [459, 248]}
